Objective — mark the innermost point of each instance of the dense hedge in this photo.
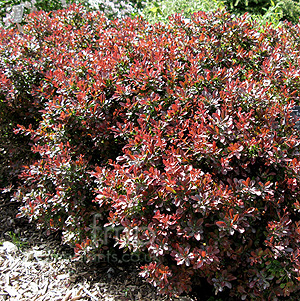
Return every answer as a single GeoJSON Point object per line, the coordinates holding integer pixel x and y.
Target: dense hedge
{"type": "Point", "coordinates": [180, 134]}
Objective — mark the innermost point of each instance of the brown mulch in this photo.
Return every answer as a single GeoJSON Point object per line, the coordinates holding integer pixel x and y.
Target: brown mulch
{"type": "Point", "coordinates": [36, 266]}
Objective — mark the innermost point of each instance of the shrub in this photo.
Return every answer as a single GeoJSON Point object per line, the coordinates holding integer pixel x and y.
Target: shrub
{"type": "Point", "coordinates": [180, 134]}
{"type": "Point", "coordinates": [159, 11]}
{"type": "Point", "coordinates": [262, 11]}
{"type": "Point", "coordinates": [274, 10]}
{"type": "Point", "coordinates": [204, 184]}
{"type": "Point", "coordinates": [57, 188]}
{"type": "Point", "coordinates": [19, 103]}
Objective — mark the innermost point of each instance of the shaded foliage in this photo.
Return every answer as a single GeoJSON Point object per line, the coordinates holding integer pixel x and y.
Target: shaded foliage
{"type": "Point", "coordinates": [276, 9]}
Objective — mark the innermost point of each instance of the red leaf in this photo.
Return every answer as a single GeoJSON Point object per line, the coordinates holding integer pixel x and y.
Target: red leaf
{"type": "Point", "coordinates": [170, 189]}
{"type": "Point", "coordinates": [221, 224]}
{"type": "Point", "coordinates": [79, 246]}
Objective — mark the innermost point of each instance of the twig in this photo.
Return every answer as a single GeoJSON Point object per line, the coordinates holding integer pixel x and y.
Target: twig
{"type": "Point", "coordinates": [88, 293]}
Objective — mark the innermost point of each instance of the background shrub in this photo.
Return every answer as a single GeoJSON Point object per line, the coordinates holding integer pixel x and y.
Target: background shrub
{"type": "Point", "coordinates": [117, 9]}
{"type": "Point", "coordinates": [274, 10]}
{"type": "Point", "coordinates": [179, 134]}
{"type": "Point", "coordinates": [112, 9]}
{"type": "Point", "coordinates": [159, 11]}
{"type": "Point", "coordinates": [261, 10]}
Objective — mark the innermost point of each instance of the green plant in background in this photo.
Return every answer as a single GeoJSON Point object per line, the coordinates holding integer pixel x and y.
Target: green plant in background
{"type": "Point", "coordinates": [50, 5]}
{"type": "Point", "coordinates": [290, 9]}
{"type": "Point", "coordinates": [265, 10]}
{"type": "Point", "coordinates": [262, 11]}
{"type": "Point", "coordinates": [273, 14]}
{"type": "Point", "coordinates": [159, 11]}
{"type": "Point", "coordinates": [257, 7]}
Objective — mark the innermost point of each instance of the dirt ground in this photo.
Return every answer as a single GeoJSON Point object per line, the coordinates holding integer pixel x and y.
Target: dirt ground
{"type": "Point", "coordinates": [36, 266]}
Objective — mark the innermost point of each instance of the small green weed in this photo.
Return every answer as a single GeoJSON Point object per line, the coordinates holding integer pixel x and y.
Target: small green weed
{"type": "Point", "coordinates": [17, 240]}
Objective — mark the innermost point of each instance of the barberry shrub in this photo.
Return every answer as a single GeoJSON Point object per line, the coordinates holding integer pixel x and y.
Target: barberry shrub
{"type": "Point", "coordinates": [180, 134]}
